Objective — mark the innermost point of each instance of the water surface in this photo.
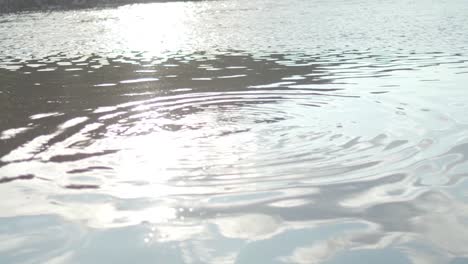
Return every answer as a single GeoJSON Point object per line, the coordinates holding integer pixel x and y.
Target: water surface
{"type": "Point", "coordinates": [236, 132]}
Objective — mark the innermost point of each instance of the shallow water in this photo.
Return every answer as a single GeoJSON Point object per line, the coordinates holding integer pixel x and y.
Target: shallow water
{"type": "Point", "coordinates": [236, 132]}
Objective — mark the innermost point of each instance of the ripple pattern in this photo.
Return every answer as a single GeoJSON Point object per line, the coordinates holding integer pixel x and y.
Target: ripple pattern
{"type": "Point", "coordinates": [235, 142]}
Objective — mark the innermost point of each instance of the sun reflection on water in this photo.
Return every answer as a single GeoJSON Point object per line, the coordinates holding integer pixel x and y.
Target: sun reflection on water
{"type": "Point", "coordinates": [155, 28]}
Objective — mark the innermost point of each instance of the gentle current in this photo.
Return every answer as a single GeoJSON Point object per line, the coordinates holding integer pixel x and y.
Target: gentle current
{"type": "Point", "coordinates": [236, 131]}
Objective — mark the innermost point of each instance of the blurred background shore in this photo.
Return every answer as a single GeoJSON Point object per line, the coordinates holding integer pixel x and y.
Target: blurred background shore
{"type": "Point", "coordinates": [7, 6]}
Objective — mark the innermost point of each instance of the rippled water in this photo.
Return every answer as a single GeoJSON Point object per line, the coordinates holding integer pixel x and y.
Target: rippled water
{"type": "Point", "coordinates": [236, 132]}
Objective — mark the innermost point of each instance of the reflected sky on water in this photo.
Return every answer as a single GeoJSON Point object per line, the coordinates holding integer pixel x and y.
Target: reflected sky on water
{"type": "Point", "coordinates": [235, 132]}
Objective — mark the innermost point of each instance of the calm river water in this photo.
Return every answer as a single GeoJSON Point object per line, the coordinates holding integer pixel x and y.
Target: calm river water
{"type": "Point", "coordinates": [236, 131]}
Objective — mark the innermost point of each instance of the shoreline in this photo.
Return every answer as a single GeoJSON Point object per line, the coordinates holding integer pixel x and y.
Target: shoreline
{"type": "Point", "coordinates": [13, 6]}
